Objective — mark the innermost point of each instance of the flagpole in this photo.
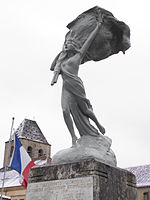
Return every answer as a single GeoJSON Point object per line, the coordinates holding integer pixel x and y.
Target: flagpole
{"type": "Point", "coordinates": [5, 167]}
{"type": "Point", "coordinates": [10, 138]}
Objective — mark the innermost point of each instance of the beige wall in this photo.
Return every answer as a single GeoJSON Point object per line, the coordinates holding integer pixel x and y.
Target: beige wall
{"type": "Point", "coordinates": [141, 192]}
{"type": "Point", "coordinates": [7, 153]}
{"type": "Point", "coordinates": [36, 146]}
{"type": "Point", "coordinates": [16, 193]}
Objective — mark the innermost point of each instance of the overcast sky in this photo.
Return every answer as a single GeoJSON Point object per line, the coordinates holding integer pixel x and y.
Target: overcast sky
{"type": "Point", "coordinates": [32, 33]}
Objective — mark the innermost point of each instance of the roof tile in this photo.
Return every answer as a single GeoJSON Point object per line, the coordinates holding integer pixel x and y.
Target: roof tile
{"type": "Point", "coordinates": [29, 129]}
{"type": "Point", "coordinates": [142, 174]}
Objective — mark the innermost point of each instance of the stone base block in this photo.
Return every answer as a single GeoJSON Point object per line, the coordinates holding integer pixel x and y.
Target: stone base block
{"type": "Point", "coordinates": [84, 180]}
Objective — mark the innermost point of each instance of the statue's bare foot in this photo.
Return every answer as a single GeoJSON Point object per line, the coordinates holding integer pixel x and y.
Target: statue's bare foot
{"type": "Point", "coordinates": [74, 140]}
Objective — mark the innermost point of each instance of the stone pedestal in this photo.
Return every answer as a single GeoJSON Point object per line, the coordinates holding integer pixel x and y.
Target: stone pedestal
{"type": "Point", "coordinates": [84, 180]}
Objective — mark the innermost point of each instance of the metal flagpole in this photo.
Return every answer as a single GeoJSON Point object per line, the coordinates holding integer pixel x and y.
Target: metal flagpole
{"type": "Point", "coordinates": [8, 154]}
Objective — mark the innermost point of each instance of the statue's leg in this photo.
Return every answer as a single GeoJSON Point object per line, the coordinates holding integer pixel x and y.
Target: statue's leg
{"type": "Point", "coordinates": [90, 114]}
{"type": "Point", "coordinates": [69, 123]}
{"type": "Point", "coordinates": [65, 101]}
{"type": "Point", "coordinates": [93, 117]}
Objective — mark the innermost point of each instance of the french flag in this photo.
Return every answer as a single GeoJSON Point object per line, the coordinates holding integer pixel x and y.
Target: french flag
{"type": "Point", "coordinates": [21, 161]}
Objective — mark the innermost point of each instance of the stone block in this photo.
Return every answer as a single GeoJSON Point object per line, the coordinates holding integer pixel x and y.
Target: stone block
{"type": "Point", "coordinates": [84, 180]}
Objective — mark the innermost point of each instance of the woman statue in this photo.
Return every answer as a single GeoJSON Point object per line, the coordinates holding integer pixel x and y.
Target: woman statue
{"type": "Point", "coordinates": [74, 103]}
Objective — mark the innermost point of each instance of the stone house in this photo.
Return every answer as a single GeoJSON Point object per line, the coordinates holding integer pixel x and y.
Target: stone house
{"type": "Point", "coordinates": [37, 147]}
{"type": "Point", "coordinates": [142, 174]}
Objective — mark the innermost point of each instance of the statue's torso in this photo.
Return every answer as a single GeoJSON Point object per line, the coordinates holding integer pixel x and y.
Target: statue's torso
{"type": "Point", "coordinates": [71, 64]}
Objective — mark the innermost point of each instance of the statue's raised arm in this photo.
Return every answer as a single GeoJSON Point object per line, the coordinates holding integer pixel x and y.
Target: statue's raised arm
{"type": "Point", "coordinates": [115, 34]}
{"type": "Point", "coordinates": [89, 40]}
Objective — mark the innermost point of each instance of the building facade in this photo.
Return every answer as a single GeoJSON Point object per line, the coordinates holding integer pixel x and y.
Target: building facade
{"type": "Point", "coordinates": [142, 174]}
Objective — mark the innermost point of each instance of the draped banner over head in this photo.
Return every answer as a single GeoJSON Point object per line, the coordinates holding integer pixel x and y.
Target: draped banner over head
{"type": "Point", "coordinates": [84, 24]}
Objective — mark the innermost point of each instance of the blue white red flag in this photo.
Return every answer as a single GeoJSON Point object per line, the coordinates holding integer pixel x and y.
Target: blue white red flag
{"type": "Point", "coordinates": [21, 161]}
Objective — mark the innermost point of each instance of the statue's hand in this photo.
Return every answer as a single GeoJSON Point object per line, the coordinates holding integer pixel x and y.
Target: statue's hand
{"type": "Point", "coordinates": [52, 83]}
{"type": "Point", "coordinates": [99, 18]}
{"type": "Point", "coordinates": [55, 78]}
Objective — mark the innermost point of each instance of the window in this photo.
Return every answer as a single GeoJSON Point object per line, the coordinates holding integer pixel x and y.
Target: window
{"type": "Point", "coordinates": [40, 153]}
{"type": "Point", "coordinates": [29, 150]}
{"type": "Point", "coordinates": [145, 196]}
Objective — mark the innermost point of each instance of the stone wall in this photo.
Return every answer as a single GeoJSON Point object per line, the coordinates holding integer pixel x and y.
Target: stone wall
{"type": "Point", "coordinates": [35, 145]}
{"type": "Point", "coordinates": [141, 192]}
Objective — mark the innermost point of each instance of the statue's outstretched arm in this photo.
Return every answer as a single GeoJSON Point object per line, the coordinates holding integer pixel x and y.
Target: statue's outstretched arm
{"type": "Point", "coordinates": [56, 73]}
{"type": "Point", "coordinates": [57, 67]}
{"type": "Point", "coordinates": [89, 40]}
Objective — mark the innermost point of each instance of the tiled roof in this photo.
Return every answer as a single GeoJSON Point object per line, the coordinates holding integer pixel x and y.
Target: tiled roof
{"type": "Point", "coordinates": [142, 174]}
{"type": "Point", "coordinates": [29, 129]}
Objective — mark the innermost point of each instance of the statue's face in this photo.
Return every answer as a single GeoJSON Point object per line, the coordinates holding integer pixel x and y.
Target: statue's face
{"type": "Point", "coordinates": [69, 49]}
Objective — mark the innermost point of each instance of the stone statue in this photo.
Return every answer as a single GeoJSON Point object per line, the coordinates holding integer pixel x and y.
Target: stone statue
{"type": "Point", "coordinates": [74, 101]}
{"type": "Point", "coordinates": [94, 35]}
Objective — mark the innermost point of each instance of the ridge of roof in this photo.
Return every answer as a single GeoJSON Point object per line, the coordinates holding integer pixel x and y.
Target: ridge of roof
{"type": "Point", "coordinates": [29, 129]}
